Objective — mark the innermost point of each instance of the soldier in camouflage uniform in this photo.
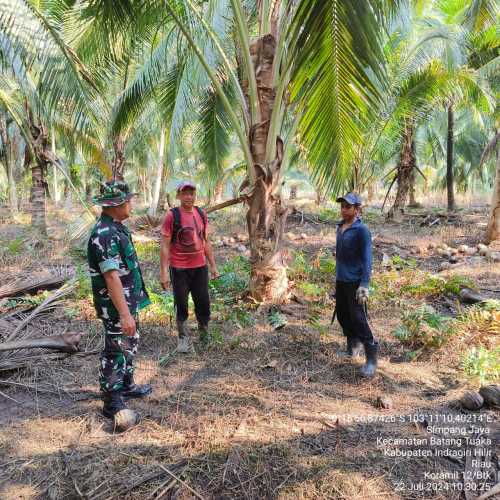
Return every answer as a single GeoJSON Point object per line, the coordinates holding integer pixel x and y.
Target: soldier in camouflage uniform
{"type": "Point", "coordinates": [119, 293]}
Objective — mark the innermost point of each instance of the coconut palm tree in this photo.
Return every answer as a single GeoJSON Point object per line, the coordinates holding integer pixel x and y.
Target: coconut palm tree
{"type": "Point", "coordinates": [493, 228]}
{"type": "Point", "coordinates": [43, 84]}
{"type": "Point", "coordinates": [457, 33]}
{"type": "Point", "coordinates": [274, 73]}
{"type": "Point", "coordinates": [7, 156]}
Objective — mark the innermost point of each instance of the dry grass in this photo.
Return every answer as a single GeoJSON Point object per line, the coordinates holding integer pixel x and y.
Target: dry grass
{"type": "Point", "coordinates": [265, 414]}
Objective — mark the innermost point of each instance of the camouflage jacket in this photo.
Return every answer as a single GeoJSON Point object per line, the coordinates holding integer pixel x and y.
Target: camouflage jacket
{"type": "Point", "coordinates": [110, 247]}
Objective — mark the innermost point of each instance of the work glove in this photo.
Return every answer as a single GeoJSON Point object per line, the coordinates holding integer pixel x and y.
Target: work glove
{"type": "Point", "coordinates": [362, 295]}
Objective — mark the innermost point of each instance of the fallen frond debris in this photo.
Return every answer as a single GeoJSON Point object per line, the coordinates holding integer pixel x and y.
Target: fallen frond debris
{"type": "Point", "coordinates": [30, 281]}
{"type": "Point", "coordinates": [26, 329]}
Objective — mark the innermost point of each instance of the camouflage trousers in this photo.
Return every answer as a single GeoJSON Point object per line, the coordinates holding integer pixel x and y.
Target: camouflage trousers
{"type": "Point", "coordinates": [117, 358]}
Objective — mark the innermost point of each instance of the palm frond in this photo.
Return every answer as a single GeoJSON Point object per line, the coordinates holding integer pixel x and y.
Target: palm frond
{"type": "Point", "coordinates": [213, 135]}
{"type": "Point", "coordinates": [135, 97]}
{"type": "Point", "coordinates": [39, 46]}
{"type": "Point", "coordinates": [337, 62]}
{"type": "Point", "coordinates": [480, 14]}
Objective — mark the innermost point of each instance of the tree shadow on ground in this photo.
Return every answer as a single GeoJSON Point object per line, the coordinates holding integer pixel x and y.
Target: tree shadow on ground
{"type": "Point", "coordinates": [346, 460]}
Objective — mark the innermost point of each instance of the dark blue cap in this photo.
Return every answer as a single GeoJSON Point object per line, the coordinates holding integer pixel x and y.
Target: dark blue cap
{"type": "Point", "coordinates": [351, 198]}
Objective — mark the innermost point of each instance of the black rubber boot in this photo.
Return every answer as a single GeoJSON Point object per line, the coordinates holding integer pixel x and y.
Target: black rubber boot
{"type": "Point", "coordinates": [113, 403]}
{"type": "Point", "coordinates": [371, 351]}
{"type": "Point", "coordinates": [132, 390]}
{"type": "Point", "coordinates": [203, 334]}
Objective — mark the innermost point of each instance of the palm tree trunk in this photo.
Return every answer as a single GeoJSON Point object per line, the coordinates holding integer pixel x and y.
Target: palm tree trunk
{"type": "Point", "coordinates": [449, 161]}
{"type": "Point", "coordinates": [219, 189]}
{"type": "Point", "coordinates": [413, 201]}
{"type": "Point", "coordinates": [159, 174]}
{"type": "Point", "coordinates": [9, 166]}
{"type": "Point", "coordinates": [266, 216]}
{"type": "Point", "coordinates": [406, 167]}
{"type": "Point", "coordinates": [42, 153]}
{"type": "Point", "coordinates": [320, 197]}
{"type": "Point", "coordinates": [118, 165]}
{"type": "Point", "coordinates": [38, 219]}
{"type": "Point", "coordinates": [57, 194]}
{"type": "Point", "coordinates": [493, 229]}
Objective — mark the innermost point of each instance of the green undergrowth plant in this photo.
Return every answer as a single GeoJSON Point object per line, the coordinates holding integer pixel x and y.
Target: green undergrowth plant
{"type": "Point", "coordinates": [472, 338]}
{"type": "Point", "coordinates": [323, 267]}
{"type": "Point", "coordinates": [300, 267]}
{"type": "Point", "coordinates": [384, 287]}
{"type": "Point", "coordinates": [240, 316]}
{"type": "Point", "coordinates": [83, 290]}
{"type": "Point", "coordinates": [311, 291]}
{"type": "Point", "coordinates": [227, 290]}
{"type": "Point", "coordinates": [161, 308]}
{"type": "Point", "coordinates": [15, 246]}
{"type": "Point", "coordinates": [433, 285]}
{"type": "Point", "coordinates": [424, 328]}
{"type": "Point", "coordinates": [276, 319]}
{"type": "Point", "coordinates": [27, 300]}
{"type": "Point", "coordinates": [313, 275]}
{"type": "Point", "coordinates": [482, 364]}
{"type": "Point", "coordinates": [401, 263]}
{"type": "Point", "coordinates": [410, 283]}
{"type": "Point", "coordinates": [148, 251]}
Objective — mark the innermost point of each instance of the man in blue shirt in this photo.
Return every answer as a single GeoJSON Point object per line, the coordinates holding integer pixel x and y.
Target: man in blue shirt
{"type": "Point", "coordinates": [354, 264]}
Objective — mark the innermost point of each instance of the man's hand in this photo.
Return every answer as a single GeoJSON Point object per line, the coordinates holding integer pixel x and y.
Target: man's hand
{"type": "Point", "coordinates": [362, 294]}
{"type": "Point", "coordinates": [127, 323]}
{"type": "Point", "coordinates": [214, 273]}
{"type": "Point", "coordinates": [165, 280]}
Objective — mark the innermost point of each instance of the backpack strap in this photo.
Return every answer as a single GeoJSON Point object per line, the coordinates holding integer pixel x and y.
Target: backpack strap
{"type": "Point", "coordinates": [204, 219]}
{"type": "Point", "coordinates": [177, 223]}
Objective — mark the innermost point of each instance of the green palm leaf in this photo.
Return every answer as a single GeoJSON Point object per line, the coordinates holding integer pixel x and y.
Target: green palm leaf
{"type": "Point", "coordinates": [213, 134]}
{"type": "Point", "coordinates": [337, 61]}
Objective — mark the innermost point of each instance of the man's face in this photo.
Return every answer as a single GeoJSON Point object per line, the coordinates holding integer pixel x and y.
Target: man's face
{"type": "Point", "coordinates": [123, 211]}
{"type": "Point", "coordinates": [347, 212]}
{"type": "Point", "coordinates": [187, 197]}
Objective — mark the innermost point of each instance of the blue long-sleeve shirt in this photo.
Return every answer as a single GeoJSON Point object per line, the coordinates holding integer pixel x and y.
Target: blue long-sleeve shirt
{"type": "Point", "coordinates": [354, 254]}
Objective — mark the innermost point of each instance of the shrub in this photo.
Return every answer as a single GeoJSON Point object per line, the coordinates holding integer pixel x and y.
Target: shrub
{"type": "Point", "coordinates": [15, 246]}
{"type": "Point", "coordinates": [299, 267]}
{"type": "Point", "coordinates": [424, 328]}
{"type": "Point", "coordinates": [83, 285]}
{"type": "Point", "coordinates": [148, 250]}
{"type": "Point", "coordinates": [436, 285]}
{"type": "Point", "coordinates": [398, 261]}
{"type": "Point", "coordinates": [483, 364]}
{"type": "Point", "coordinates": [311, 290]}
{"type": "Point", "coordinates": [240, 317]}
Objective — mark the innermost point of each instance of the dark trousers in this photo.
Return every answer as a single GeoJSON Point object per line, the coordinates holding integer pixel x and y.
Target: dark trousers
{"type": "Point", "coordinates": [194, 281]}
{"type": "Point", "coordinates": [351, 315]}
{"type": "Point", "coordinates": [117, 358]}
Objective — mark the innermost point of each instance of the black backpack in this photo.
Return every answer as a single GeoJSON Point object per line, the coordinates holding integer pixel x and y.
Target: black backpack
{"type": "Point", "coordinates": [178, 226]}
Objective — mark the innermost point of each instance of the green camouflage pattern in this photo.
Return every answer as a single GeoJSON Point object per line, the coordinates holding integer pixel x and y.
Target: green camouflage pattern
{"type": "Point", "coordinates": [109, 248]}
{"type": "Point", "coordinates": [113, 194]}
{"type": "Point", "coordinates": [117, 358]}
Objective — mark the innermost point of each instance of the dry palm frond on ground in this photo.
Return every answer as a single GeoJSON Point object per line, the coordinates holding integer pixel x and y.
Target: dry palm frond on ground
{"type": "Point", "coordinates": [30, 280]}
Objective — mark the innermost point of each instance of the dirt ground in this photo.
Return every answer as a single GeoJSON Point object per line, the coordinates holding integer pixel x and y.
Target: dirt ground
{"type": "Point", "coordinates": [262, 413]}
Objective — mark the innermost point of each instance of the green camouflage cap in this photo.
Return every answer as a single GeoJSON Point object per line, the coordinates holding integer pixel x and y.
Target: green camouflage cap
{"type": "Point", "coordinates": [113, 194]}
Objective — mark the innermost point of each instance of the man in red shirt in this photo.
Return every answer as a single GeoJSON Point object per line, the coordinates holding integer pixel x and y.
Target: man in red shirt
{"type": "Point", "coordinates": [185, 250]}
